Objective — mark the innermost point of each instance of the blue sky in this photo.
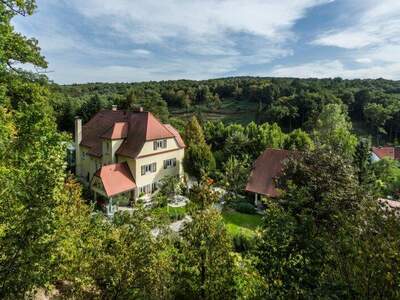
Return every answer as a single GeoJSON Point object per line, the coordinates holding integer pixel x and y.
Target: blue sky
{"type": "Point", "coordinates": [140, 40]}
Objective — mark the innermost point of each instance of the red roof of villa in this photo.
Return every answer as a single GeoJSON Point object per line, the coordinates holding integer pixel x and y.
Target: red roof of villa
{"type": "Point", "coordinates": [135, 127]}
{"type": "Point", "coordinates": [116, 178]}
{"type": "Point", "coordinates": [267, 167]}
{"type": "Point", "coordinates": [117, 132]}
{"type": "Point", "coordinates": [175, 132]}
{"type": "Point", "coordinates": [382, 152]}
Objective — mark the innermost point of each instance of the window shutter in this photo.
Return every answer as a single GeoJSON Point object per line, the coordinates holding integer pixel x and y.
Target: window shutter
{"type": "Point", "coordinates": [143, 171]}
{"type": "Point", "coordinates": [174, 162]}
{"type": "Point", "coordinates": [165, 143]}
{"type": "Point", "coordinates": [154, 167]}
{"type": "Point", "coordinates": [165, 164]}
{"type": "Point", "coordinates": [155, 145]}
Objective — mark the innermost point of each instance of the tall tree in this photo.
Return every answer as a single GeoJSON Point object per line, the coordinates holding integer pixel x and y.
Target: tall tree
{"type": "Point", "coordinates": [204, 263]}
{"type": "Point", "coordinates": [32, 164]}
{"type": "Point", "coordinates": [333, 130]}
{"type": "Point", "coordinates": [199, 159]}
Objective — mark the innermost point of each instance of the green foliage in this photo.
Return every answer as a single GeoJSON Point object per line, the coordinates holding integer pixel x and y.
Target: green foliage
{"type": "Point", "coordinates": [199, 159]}
{"type": "Point", "coordinates": [241, 142]}
{"type": "Point", "coordinates": [291, 103]}
{"type": "Point", "coordinates": [362, 160]}
{"type": "Point", "coordinates": [333, 130]}
{"type": "Point", "coordinates": [171, 186]}
{"type": "Point", "coordinates": [201, 195]}
{"type": "Point", "coordinates": [193, 132]}
{"type": "Point", "coordinates": [243, 243]}
{"type": "Point", "coordinates": [204, 263]}
{"type": "Point", "coordinates": [235, 174]}
{"type": "Point", "coordinates": [31, 166]}
{"type": "Point", "coordinates": [376, 116]}
{"type": "Point", "coordinates": [317, 241]}
{"type": "Point", "coordinates": [130, 263]}
{"type": "Point", "coordinates": [387, 177]}
{"type": "Point", "coordinates": [244, 207]}
{"type": "Point", "coordinates": [298, 140]}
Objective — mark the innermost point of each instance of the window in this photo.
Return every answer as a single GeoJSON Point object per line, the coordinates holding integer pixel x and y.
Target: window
{"type": "Point", "coordinates": [160, 144]}
{"type": "Point", "coordinates": [148, 188]}
{"type": "Point", "coordinates": [169, 163]}
{"type": "Point", "coordinates": [83, 155]}
{"type": "Point", "coordinates": [150, 168]}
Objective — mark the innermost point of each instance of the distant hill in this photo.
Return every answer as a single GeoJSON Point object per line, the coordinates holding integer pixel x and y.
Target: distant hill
{"type": "Point", "coordinates": [373, 104]}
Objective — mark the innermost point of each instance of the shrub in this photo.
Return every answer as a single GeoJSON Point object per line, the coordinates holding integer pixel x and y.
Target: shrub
{"type": "Point", "coordinates": [244, 207]}
{"type": "Point", "coordinates": [242, 243]}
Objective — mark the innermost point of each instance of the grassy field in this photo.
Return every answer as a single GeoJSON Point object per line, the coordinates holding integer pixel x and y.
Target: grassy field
{"type": "Point", "coordinates": [230, 111]}
{"type": "Point", "coordinates": [237, 222]}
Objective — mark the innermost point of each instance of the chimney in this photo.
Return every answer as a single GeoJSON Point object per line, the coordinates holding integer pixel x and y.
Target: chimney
{"type": "Point", "coordinates": [78, 139]}
{"type": "Point", "coordinates": [114, 107]}
{"type": "Point", "coordinates": [138, 109]}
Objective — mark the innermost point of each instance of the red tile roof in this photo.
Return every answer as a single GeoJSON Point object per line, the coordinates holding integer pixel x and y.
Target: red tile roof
{"type": "Point", "coordinates": [116, 178]}
{"type": "Point", "coordinates": [140, 127]}
{"type": "Point", "coordinates": [117, 132]}
{"type": "Point", "coordinates": [382, 152]}
{"type": "Point", "coordinates": [175, 132]}
{"type": "Point", "coordinates": [267, 167]}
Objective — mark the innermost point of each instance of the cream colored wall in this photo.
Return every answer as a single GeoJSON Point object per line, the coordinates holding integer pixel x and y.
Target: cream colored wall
{"type": "Point", "coordinates": [109, 156]}
{"type": "Point", "coordinates": [88, 164]}
{"type": "Point", "coordinates": [148, 147]}
{"type": "Point", "coordinates": [149, 178]}
{"type": "Point", "coordinates": [115, 144]}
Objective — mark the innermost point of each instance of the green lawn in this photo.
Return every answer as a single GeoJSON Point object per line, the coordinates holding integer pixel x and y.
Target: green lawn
{"type": "Point", "coordinates": [172, 212]}
{"type": "Point", "coordinates": [237, 222]}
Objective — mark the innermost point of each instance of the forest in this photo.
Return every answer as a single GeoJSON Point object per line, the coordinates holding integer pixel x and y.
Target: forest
{"type": "Point", "coordinates": [325, 237]}
{"type": "Point", "coordinates": [372, 105]}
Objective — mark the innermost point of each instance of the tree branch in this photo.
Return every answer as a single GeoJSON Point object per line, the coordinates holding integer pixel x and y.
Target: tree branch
{"type": "Point", "coordinates": [13, 8]}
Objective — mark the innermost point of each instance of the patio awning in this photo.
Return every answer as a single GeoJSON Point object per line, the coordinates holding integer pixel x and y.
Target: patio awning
{"type": "Point", "coordinates": [116, 179]}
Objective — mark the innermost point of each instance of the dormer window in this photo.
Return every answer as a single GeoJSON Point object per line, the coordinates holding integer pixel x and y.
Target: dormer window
{"type": "Point", "coordinates": [160, 144]}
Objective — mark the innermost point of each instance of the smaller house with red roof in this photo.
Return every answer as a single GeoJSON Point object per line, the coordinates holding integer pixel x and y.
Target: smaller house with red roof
{"type": "Point", "coordinates": [126, 154]}
{"type": "Point", "coordinates": [266, 170]}
{"type": "Point", "coordinates": [378, 153]}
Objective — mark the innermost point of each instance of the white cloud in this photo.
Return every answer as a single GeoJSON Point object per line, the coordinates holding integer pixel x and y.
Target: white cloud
{"type": "Point", "coordinates": [335, 68]}
{"type": "Point", "coordinates": [372, 23]}
{"type": "Point", "coordinates": [166, 39]}
{"type": "Point", "coordinates": [348, 39]}
{"type": "Point", "coordinates": [198, 24]}
{"type": "Point", "coordinates": [363, 60]}
{"type": "Point", "coordinates": [371, 38]}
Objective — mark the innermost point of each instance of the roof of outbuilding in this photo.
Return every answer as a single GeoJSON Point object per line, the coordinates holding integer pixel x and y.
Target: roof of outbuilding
{"type": "Point", "coordinates": [116, 178]}
{"type": "Point", "coordinates": [382, 152]}
{"type": "Point", "coordinates": [267, 167]}
{"type": "Point", "coordinates": [135, 127]}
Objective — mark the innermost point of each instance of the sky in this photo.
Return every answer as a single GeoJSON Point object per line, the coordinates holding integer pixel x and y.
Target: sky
{"type": "Point", "coordinates": [142, 40]}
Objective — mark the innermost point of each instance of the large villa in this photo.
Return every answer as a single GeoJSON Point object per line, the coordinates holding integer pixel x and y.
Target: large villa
{"type": "Point", "coordinates": [126, 154]}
